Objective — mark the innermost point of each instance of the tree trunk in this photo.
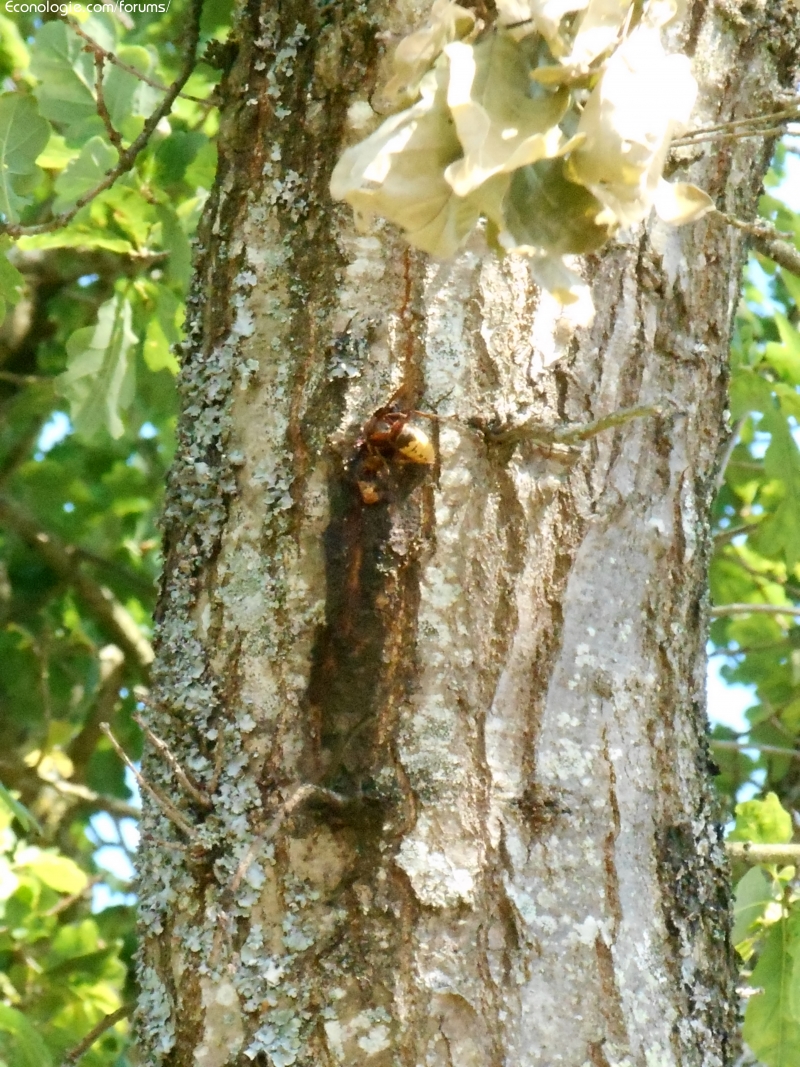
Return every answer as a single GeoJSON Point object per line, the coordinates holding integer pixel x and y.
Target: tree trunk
{"type": "Point", "coordinates": [452, 720]}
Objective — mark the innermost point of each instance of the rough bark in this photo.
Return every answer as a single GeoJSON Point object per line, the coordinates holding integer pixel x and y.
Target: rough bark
{"type": "Point", "coordinates": [454, 739]}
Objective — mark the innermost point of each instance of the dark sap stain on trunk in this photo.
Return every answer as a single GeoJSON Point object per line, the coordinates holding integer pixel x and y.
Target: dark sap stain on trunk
{"type": "Point", "coordinates": [363, 660]}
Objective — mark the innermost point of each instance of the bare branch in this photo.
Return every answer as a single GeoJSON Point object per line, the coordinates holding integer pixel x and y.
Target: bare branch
{"type": "Point", "coordinates": [701, 133]}
{"type": "Point", "coordinates": [754, 854]}
{"type": "Point", "coordinates": [161, 747]}
{"type": "Point", "coordinates": [112, 671]}
{"type": "Point", "coordinates": [727, 451]}
{"type": "Point", "coordinates": [83, 1046]}
{"type": "Point", "coordinates": [166, 805]}
{"type": "Point", "coordinates": [100, 600]}
{"type": "Point", "coordinates": [771, 750]}
{"type": "Point", "coordinates": [102, 110]}
{"type": "Point", "coordinates": [96, 801]}
{"type": "Point", "coordinates": [129, 155]}
{"type": "Point", "coordinates": [109, 57]}
{"type": "Point", "coordinates": [768, 240]}
{"type": "Point", "coordinates": [24, 379]}
{"type": "Point", "coordinates": [564, 433]}
{"type": "Point", "coordinates": [722, 611]}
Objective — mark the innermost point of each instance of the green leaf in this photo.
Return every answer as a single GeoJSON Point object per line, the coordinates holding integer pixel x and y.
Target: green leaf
{"type": "Point", "coordinates": [785, 357]}
{"type": "Point", "coordinates": [162, 332]}
{"type": "Point", "coordinates": [58, 872]}
{"type": "Point", "coordinates": [173, 238]}
{"type": "Point", "coordinates": [11, 281]}
{"type": "Point", "coordinates": [80, 176]}
{"type": "Point", "coordinates": [772, 1019]}
{"type": "Point", "coordinates": [779, 533]}
{"type": "Point", "coordinates": [176, 153]}
{"type": "Point", "coordinates": [23, 135]}
{"type": "Point", "coordinates": [77, 235]}
{"type": "Point", "coordinates": [125, 94]}
{"type": "Point", "coordinates": [26, 1048]}
{"type": "Point", "coordinates": [753, 893]}
{"type": "Point", "coordinates": [19, 811]}
{"type": "Point", "coordinates": [99, 378]}
{"type": "Point", "coordinates": [66, 76]}
{"type": "Point", "coordinates": [749, 392]}
{"type": "Point", "coordinates": [14, 55]}
{"type": "Point", "coordinates": [764, 822]}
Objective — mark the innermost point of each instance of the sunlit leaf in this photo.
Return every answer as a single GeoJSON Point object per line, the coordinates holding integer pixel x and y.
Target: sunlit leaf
{"type": "Point", "coordinates": [415, 54]}
{"type": "Point", "coordinates": [59, 872]}
{"type": "Point", "coordinates": [499, 125]}
{"type": "Point", "coordinates": [543, 16]}
{"type": "Point", "coordinates": [598, 31]}
{"type": "Point", "coordinates": [762, 821]}
{"type": "Point", "coordinates": [398, 173]}
{"type": "Point", "coordinates": [642, 97]}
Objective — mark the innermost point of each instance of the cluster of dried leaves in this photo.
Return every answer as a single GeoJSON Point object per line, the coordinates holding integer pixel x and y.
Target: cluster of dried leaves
{"type": "Point", "coordinates": [554, 125]}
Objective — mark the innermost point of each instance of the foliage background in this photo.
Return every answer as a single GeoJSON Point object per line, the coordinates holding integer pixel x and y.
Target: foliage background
{"type": "Point", "coordinates": [92, 312]}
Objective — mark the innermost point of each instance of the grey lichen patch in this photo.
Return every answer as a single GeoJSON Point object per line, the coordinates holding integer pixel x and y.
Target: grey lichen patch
{"type": "Point", "coordinates": [442, 863]}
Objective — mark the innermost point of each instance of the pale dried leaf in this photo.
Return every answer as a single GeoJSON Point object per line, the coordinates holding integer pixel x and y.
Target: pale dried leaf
{"type": "Point", "coordinates": [598, 30]}
{"type": "Point", "coordinates": [416, 54]}
{"type": "Point", "coordinates": [681, 202]}
{"type": "Point", "coordinates": [500, 126]}
{"type": "Point", "coordinates": [546, 211]}
{"type": "Point", "coordinates": [661, 12]}
{"type": "Point", "coordinates": [552, 273]}
{"type": "Point", "coordinates": [398, 173]}
{"type": "Point", "coordinates": [542, 16]}
{"type": "Point", "coordinates": [642, 98]}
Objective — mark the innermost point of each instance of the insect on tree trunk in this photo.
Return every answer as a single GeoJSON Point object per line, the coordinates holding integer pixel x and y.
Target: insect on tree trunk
{"type": "Point", "coordinates": [451, 719]}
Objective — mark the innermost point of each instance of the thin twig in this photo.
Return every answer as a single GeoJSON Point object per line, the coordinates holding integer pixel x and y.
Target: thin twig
{"type": "Point", "coordinates": [773, 131]}
{"type": "Point", "coordinates": [102, 110]}
{"type": "Point", "coordinates": [166, 805]}
{"type": "Point", "coordinates": [24, 379]}
{"type": "Point", "coordinates": [722, 611]}
{"type": "Point", "coordinates": [111, 58]}
{"type": "Point", "coordinates": [730, 444]}
{"type": "Point", "coordinates": [701, 131]}
{"type": "Point", "coordinates": [129, 156]}
{"type": "Point", "coordinates": [771, 750]}
{"type": "Point", "coordinates": [768, 240]}
{"type": "Point", "coordinates": [97, 801]}
{"type": "Point", "coordinates": [162, 748]}
{"type": "Point", "coordinates": [721, 537]}
{"type": "Point", "coordinates": [112, 673]}
{"type": "Point", "coordinates": [754, 854]}
{"type": "Point", "coordinates": [83, 1046]}
{"type": "Point", "coordinates": [73, 898]}
{"type": "Point", "coordinates": [564, 433]}
{"type": "Point", "coordinates": [746, 650]}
